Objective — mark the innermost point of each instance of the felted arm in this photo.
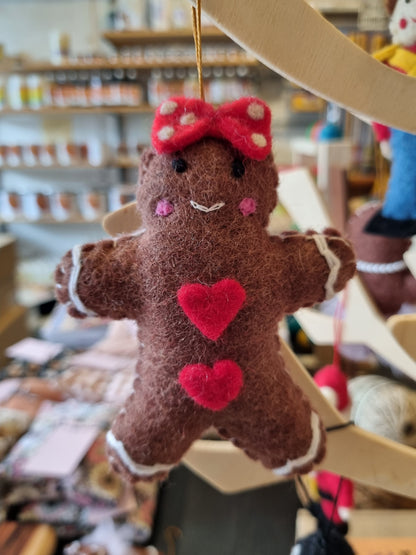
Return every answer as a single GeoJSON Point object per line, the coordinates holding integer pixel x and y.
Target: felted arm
{"type": "Point", "coordinates": [101, 279]}
{"type": "Point", "coordinates": [317, 265]}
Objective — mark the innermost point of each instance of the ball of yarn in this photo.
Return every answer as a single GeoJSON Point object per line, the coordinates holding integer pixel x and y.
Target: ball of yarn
{"type": "Point", "coordinates": [384, 407]}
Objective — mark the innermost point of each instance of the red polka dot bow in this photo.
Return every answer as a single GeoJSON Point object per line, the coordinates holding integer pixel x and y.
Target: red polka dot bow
{"type": "Point", "coordinates": [245, 123]}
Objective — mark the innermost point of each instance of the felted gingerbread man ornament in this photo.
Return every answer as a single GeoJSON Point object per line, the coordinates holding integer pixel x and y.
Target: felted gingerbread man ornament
{"type": "Point", "coordinates": [207, 286]}
{"type": "Point", "coordinates": [397, 217]}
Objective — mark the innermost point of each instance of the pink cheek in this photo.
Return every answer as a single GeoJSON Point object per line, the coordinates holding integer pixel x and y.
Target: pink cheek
{"type": "Point", "coordinates": [247, 206]}
{"type": "Point", "coordinates": [403, 23]}
{"type": "Point", "coordinates": [164, 208]}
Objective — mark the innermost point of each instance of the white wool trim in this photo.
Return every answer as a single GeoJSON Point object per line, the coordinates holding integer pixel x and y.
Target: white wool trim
{"type": "Point", "coordinates": [203, 208]}
{"type": "Point", "coordinates": [291, 466]}
{"type": "Point", "coordinates": [73, 281]}
{"type": "Point", "coordinates": [380, 267]}
{"type": "Point", "coordinates": [134, 468]}
{"type": "Point", "coordinates": [334, 263]}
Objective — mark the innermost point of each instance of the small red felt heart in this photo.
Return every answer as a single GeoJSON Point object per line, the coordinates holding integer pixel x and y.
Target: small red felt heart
{"type": "Point", "coordinates": [213, 388]}
{"type": "Point", "coordinates": [212, 309]}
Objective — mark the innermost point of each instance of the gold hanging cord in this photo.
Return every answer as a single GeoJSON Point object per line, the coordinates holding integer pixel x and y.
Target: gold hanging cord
{"type": "Point", "coordinates": [196, 26]}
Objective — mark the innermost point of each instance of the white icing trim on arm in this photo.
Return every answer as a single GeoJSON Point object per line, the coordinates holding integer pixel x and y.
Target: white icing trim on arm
{"type": "Point", "coordinates": [73, 281]}
{"type": "Point", "coordinates": [334, 263]}
{"type": "Point", "coordinates": [292, 465]}
{"type": "Point", "coordinates": [135, 468]}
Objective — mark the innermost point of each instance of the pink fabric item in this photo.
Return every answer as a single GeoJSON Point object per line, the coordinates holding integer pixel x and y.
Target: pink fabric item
{"type": "Point", "coordinates": [245, 123]}
{"type": "Point", "coordinates": [212, 309]}
{"type": "Point", "coordinates": [336, 493]}
{"type": "Point", "coordinates": [331, 376]}
{"type": "Point", "coordinates": [213, 388]}
{"type": "Point", "coordinates": [382, 132]}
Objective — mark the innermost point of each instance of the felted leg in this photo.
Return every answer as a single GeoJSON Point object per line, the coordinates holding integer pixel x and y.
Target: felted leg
{"type": "Point", "coordinates": [150, 435]}
{"type": "Point", "coordinates": [272, 421]}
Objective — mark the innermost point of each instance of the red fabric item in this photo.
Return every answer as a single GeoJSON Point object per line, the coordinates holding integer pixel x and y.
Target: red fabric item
{"type": "Point", "coordinates": [331, 376]}
{"type": "Point", "coordinates": [213, 388]}
{"type": "Point", "coordinates": [341, 493]}
{"type": "Point", "coordinates": [245, 123]}
{"type": "Point", "coordinates": [212, 309]}
{"type": "Point", "coordinates": [382, 132]}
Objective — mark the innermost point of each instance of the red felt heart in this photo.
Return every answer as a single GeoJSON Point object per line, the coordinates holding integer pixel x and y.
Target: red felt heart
{"type": "Point", "coordinates": [213, 388]}
{"type": "Point", "coordinates": [212, 309]}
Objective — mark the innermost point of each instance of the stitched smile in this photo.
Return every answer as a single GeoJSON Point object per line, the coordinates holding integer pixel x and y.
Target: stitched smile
{"type": "Point", "coordinates": [203, 208]}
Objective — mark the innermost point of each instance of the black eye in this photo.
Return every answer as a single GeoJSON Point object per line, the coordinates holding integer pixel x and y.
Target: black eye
{"type": "Point", "coordinates": [238, 168]}
{"type": "Point", "coordinates": [179, 165]}
{"type": "Point", "coordinates": [409, 429]}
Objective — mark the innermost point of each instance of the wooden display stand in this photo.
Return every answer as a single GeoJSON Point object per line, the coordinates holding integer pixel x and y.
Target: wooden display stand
{"type": "Point", "coordinates": [12, 316]}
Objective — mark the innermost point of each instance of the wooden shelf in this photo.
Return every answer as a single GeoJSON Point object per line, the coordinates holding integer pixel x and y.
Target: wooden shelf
{"type": "Point", "coordinates": [336, 7]}
{"type": "Point", "coordinates": [50, 220]}
{"type": "Point", "coordinates": [111, 164]}
{"type": "Point", "coordinates": [52, 110]}
{"type": "Point", "coordinates": [46, 67]}
{"type": "Point", "coordinates": [146, 36]}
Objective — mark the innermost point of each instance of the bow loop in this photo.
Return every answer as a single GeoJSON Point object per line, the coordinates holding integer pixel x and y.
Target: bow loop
{"type": "Point", "coordinates": [245, 123]}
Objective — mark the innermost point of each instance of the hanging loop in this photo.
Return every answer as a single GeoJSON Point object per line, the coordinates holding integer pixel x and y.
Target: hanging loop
{"type": "Point", "coordinates": [196, 26]}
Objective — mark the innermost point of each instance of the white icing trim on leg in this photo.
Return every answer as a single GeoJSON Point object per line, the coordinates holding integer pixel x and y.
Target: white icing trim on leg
{"type": "Point", "coordinates": [73, 279]}
{"type": "Point", "coordinates": [291, 466]}
{"type": "Point", "coordinates": [134, 468]}
{"type": "Point", "coordinates": [334, 263]}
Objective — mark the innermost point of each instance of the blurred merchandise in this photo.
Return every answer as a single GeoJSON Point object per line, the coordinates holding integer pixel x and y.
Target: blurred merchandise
{"type": "Point", "coordinates": [159, 15]}
{"type": "Point", "coordinates": [47, 155]}
{"type": "Point", "coordinates": [30, 155]}
{"type": "Point", "coordinates": [14, 155]}
{"type": "Point", "coordinates": [63, 205]}
{"type": "Point", "coordinates": [59, 46]}
{"type": "Point", "coordinates": [35, 205]}
{"type": "Point", "coordinates": [120, 195]}
{"type": "Point", "coordinates": [92, 204]}
{"type": "Point", "coordinates": [10, 205]}
{"type": "Point", "coordinates": [16, 92]}
{"type": "Point", "coordinates": [221, 85]}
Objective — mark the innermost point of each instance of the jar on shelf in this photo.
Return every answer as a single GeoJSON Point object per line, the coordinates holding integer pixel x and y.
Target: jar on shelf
{"type": "Point", "coordinates": [30, 155]}
{"type": "Point", "coordinates": [17, 92]}
{"type": "Point", "coordinates": [134, 89]}
{"type": "Point", "coordinates": [120, 195]}
{"type": "Point", "coordinates": [97, 152]}
{"type": "Point", "coordinates": [47, 155]}
{"type": "Point", "coordinates": [35, 205]}
{"type": "Point", "coordinates": [64, 206]}
{"type": "Point", "coordinates": [35, 88]}
{"type": "Point", "coordinates": [96, 89]}
{"type": "Point", "coordinates": [3, 155]}
{"type": "Point", "coordinates": [92, 204]}
{"type": "Point", "coordinates": [14, 155]}
{"type": "Point", "coordinates": [2, 92]}
{"type": "Point", "coordinates": [67, 154]}
{"type": "Point", "coordinates": [59, 46]}
{"type": "Point", "coordinates": [107, 87]}
{"type": "Point", "coordinates": [10, 205]}
{"type": "Point", "coordinates": [83, 88]}
{"type": "Point", "coordinates": [180, 15]}
{"type": "Point", "coordinates": [159, 15]}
